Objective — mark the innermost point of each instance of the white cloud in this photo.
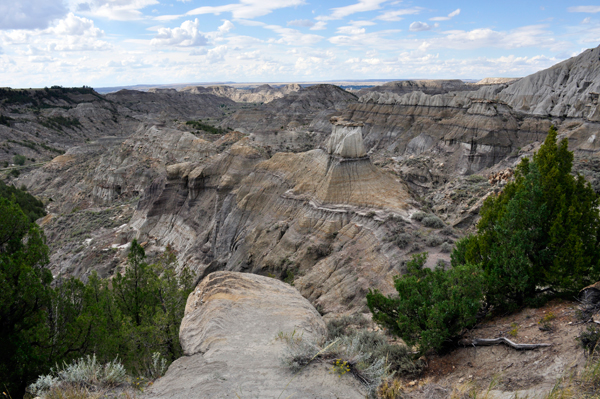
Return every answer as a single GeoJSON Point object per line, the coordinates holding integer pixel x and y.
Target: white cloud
{"type": "Point", "coordinates": [247, 9]}
{"type": "Point", "coordinates": [199, 51]}
{"type": "Point", "coordinates": [379, 40]}
{"type": "Point", "coordinates": [187, 35]}
{"type": "Point", "coordinates": [76, 43]}
{"type": "Point", "coordinates": [217, 54]}
{"type": "Point", "coordinates": [320, 25]}
{"type": "Point", "coordinates": [43, 59]}
{"type": "Point", "coordinates": [587, 9]}
{"type": "Point", "coordinates": [450, 16]}
{"type": "Point", "coordinates": [526, 36]}
{"type": "Point", "coordinates": [419, 26]}
{"type": "Point", "coordinates": [396, 15]}
{"type": "Point", "coordinates": [306, 23]}
{"type": "Point", "coordinates": [16, 37]}
{"type": "Point", "coordinates": [350, 30]}
{"type": "Point", "coordinates": [30, 14]}
{"type": "Point", "coordinates": [226, 27]}
{"type": "Point", "coordinates": [249, 55]}
{"type": "Point", "coordinates": [586, 21]}
{"type": "Point", "coordinates": [119, 10]}
{"type": "Point", "coordinates": [76, 26]}
{"type": "Point", "coordinates": [361, 6]}
{"type": "Point", "coordinates": [293, 37]}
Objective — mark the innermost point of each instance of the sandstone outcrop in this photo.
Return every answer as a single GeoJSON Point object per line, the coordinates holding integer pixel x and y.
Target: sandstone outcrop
{"type": "Point", "coordinates": [232, 336]}
{"type": "Point", "coordinates": [346, 139]}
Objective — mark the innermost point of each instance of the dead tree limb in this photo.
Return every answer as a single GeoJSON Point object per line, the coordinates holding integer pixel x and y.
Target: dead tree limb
{"type": "Point", "coordinates": [498, 341]}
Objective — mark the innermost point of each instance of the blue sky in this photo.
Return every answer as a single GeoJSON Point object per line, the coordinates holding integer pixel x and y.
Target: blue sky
{"type": "Point", "coordinates": [125, 42]}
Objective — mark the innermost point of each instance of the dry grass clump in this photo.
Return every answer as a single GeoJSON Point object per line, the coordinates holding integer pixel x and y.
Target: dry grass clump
{"type": "Point", "coordinates": [86, 378]}
{"type": "Point", "coordinates": [352, 349]}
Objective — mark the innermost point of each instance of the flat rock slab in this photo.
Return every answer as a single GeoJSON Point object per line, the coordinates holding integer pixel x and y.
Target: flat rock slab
{"type": "Point", "coordinates": [229, 335]}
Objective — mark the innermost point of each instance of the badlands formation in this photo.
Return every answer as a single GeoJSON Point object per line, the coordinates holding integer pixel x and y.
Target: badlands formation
{"type": "Point", "coordinates": [329, 190]}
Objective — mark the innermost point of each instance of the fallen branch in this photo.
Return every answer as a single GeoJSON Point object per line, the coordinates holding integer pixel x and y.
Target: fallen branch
{"type": "Point", "coordinates": [498, 341]}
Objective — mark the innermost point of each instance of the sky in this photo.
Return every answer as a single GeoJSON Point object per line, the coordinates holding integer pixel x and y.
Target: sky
{"type": "Point", "coordinates": [102, 43]}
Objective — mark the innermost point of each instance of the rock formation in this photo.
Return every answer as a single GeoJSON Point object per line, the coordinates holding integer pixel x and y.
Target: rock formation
{"type": "Point", "coordinates": [233, 336]}
{"type": "Point", "coordinates": [495, 81]}
{"type": "Point", "coordinates": [168, 103]}
{"type": "Point", "coordinates": [261, 94]}
{"type": "Point", "coordinates": [346, 139]}
{"type": "Point", "coordinates": [426, 86]}
{"type": "Point", "coordinates": [292, 193]}
{"type": "Point", "coordinates": [568, 89]}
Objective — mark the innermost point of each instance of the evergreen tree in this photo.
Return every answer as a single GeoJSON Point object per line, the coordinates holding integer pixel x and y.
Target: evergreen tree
{"type": "Point", "coordinates": [432, 306]}
{"type": "Point", "coordinates": [540, 234]}
{"type": "Point", "coordinates": [25, 294]}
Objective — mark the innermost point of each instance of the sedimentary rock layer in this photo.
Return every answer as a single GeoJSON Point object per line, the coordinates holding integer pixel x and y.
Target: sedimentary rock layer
{"type": "Point", "coordinates": [233, 336]}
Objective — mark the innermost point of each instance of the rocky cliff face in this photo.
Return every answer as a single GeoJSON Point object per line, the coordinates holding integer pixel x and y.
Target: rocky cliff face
{"type": "Point", "coordinates": [299, 121]}
{"type": "Point", "coordinates": [569, 89]}
{"type": "Point", "coordinates": [470, 131]}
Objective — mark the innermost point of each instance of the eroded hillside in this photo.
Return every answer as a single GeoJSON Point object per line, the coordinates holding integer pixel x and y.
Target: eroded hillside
{"type": "Point", "coordinates": [319, 187]}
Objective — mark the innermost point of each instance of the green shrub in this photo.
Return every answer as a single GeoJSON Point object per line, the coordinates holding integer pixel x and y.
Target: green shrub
{"type": "Point", "coordinates": [356, 352]}
{"type": "Point", "coordinates": [31, 206]}
{"type": "Point", "coordinates": [432, 306]}
{"type": "Point", "coordinates": [418, 216]}
{"type": "Point", "coordinates": [446, 247]}
{"type": "Point", "coordinates": [540, 235]}
{"type": "Point", "coordinates": [589, 338]}
{"type": "Point", "coordinates": [433, 222]}
{"type": "Point", "coordinates": [86, 372]}
{"type": "Point", "coordinates": [434, 241]}
{"type": "Point", "coordinates": [345, 325]}
{"type": "Point", "coordinates": [207, 128]}
{"type": "Point", "coordinates": [402, 240]}
{"type": "Point", "coordinates": [19, 159]}
{"type": "Point", "coordinates": [5, 120]}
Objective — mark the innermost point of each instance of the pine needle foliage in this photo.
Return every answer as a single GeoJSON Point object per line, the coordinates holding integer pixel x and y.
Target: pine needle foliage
{"type": "Point", "coordinates": [432, 306]}
{"type": "Point", "coordinates": [541, 234]}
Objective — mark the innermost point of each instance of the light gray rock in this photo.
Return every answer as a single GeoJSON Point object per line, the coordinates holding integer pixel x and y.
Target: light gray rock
{"type": "Point", "coordinates": [568, 89]}
{"type": "Point", "coordinates": [229, 335]}
{"type": "Point", "coordinates": [346, 141]}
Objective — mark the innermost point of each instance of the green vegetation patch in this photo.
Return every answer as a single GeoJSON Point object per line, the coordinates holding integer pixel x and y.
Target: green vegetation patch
{"type": "Point", "coordinates": [37, 97]}
{"type": "Point", "coordinates": [5, 120]}
{"type": "Point", "coordinates": [33, 145]}
{"type": "Point", "coordinates": [60, 122]}
{"type": "Point", "coordinates": [207, 128]}
{"type": "Point", "coordinates": [537, 239]}
{"type": "Point", "coordinates": [31, 206]}
{"type": "Point", "coordinates": [47, 322]}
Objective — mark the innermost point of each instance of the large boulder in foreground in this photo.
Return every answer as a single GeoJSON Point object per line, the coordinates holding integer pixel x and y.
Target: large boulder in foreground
{"type": "Point", "coordinates": [229, 335]}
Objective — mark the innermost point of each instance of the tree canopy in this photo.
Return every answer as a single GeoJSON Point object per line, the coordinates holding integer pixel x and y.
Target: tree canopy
{"type": "Point", "coordinates": [540, 234]}
{"type": "Point", "coordinates": [537, 238]}
{"type": "Point", "coordinates": [45, 321]}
